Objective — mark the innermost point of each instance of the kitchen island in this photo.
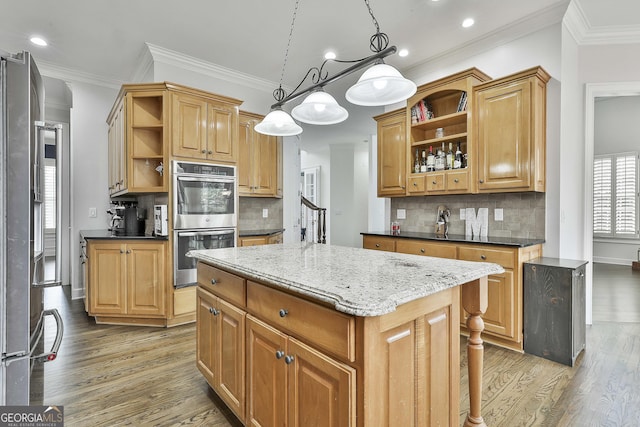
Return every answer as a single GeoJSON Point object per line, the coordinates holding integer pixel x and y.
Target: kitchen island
{"type": "Point", "coordinates": [310, 334]}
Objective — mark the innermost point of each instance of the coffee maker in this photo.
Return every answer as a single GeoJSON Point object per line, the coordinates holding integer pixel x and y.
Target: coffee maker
{"type": "Point", "coordinates": [127, 219]}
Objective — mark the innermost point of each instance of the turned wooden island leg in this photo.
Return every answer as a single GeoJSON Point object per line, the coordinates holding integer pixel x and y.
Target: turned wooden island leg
{"type": "Point", "coordinates": [474, 300]}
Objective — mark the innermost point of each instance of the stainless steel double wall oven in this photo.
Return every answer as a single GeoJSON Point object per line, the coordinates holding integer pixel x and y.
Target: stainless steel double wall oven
{"type": "Point", "coordinates": [205, 213]}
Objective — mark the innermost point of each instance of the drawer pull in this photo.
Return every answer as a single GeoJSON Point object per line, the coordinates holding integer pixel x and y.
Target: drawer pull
{"type": "Point", "coordinates": [415, 184]}
{"type": "Point", "coordinates": [214, 281]}
{"type": "Point", "coordinates": [456, 180]}
{"type": "Point", "coordinates": [433, 182]}
{"type": "Point", "coordinates": [483, 257]}
{"type": "Point", "coordinates": [377, 245]}
{"type": "Point", "coordinates": [283, 312]}
{"type": "Point", "coordinates": [214, 311]}
{"type": "Point", "coordinates": [288, 360]}
{"type": "Point", "coordinates": [421, 250]}
{"type": "Point", "coordinates": [279, 354]}
{"type": "Point", "coordinates": [482, 181]}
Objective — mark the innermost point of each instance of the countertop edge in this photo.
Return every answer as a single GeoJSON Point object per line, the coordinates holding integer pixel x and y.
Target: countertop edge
{"type": "Point", "coordinates": [455, 238]}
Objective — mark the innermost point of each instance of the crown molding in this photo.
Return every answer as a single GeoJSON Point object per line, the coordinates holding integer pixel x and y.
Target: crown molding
{"type": "Point", "coordinates": [186, 62]}
{"type": "Point", "coordinates": [145, 64]}
{"type": "Point", "coordinates": [585, 33]}
{"type": "Point", "coordinates": [49, 69]}
{"type": "Point", "coordinates": [514, 30]}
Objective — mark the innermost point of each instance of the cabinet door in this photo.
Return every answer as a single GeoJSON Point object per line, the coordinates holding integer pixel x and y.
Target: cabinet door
{"type": "Point", "coordinates": [230, 355]}
{"type": "Point", "coordinates": [206, 335]}
{"type": "Point", "coordinates": [265, 152]}
{"type": "Point", "coordinates": [222, 125]}
{"type": "Point", "coordinates": [107, 278]}
{"type": "Point", "coordinates": [189, 127]}
{"type": "Point", "coordinates": [146, 278]}
{"type": "Point", "coordinates": [392, 151]}
{"type": "Point", "coordinates": [245, 155]}
{"type": "Point", "coordinates": [321, 391]}
{"type": "Point", "coordinates": [502, 312]}
{"type": "Point", "coordinates": [504, 138]}
{"type": "Point", "coordinates": [117, 152]}
{"type": "Point", "coordinates": [266, 375]}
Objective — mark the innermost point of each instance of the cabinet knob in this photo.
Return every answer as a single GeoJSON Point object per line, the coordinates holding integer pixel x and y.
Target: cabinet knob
{"type": "Point", "coordinates": [128, 251]}
{"type": "Point", "coordinates": [121, 251]}
{"type": "Point", "coordinates": [483, 257]}
{"type": "Point", "coordinates": [214, 311]}
{"type": "Point", "coordinates": [214, 281]}
{"type": "Point", "coordinates": [210, 152]}
{"type": "Point", "coordinates": [288, 360]}
{"type": "Point", "coordinates": [377, 245]}
{"type": "Point", "coordinates": [283, 312]}
{"type": "Point", "coordinates": [279, 354]}
{"type": "Point", "coordinates": [482, 181]}
{"type": "Point", "coordinates": [421, 250]}
{"type": "Point", "coordinates": [456, 180]}
{"type": "Point", "coordinates": [433, 182]}
{"type": "Point", "coordinates": [204, 151]}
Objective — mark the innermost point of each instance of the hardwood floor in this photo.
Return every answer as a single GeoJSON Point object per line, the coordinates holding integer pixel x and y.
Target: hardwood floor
{"type": "Point", "coordinates": [139, 376]}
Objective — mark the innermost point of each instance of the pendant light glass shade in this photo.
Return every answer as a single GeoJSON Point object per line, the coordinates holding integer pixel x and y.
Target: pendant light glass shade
{"type": "Point", "coordinates": [320, 108]}
{"type": "Point", "coordinates": [381, 84]}
{"type": "Point", "coordinates": [278, 123]}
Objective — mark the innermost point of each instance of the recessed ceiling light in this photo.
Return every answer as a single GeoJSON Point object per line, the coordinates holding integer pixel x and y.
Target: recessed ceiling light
{"type": "Point", "coordinates": [38, 41]}
{"type": "Point", "coordinates": [330, 55]}
{"type": "Point", "coordinates": [468, 22]}
{"type": "Point", "coordinates": [403, 52]}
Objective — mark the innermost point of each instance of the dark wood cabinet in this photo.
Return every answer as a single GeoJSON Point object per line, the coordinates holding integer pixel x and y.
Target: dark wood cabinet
{"type": "Point", "coordinates": [554, 309]}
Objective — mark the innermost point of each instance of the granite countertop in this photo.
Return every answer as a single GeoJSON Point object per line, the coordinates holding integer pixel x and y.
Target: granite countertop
{"type": "Point", "coordinates": [107, 234]}
{"type": "Point", "coordinates": [355, 281]}
{"type": "Point", "coordinates": [260, 232]}
{"type": "Point", "coordinates": [459, 238]}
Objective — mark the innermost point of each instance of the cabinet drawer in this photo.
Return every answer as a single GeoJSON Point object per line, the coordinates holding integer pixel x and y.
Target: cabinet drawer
{"type": "Point", "coordinates": [435, 182]}
{"type": "Point", "coordinates": [379, 243]}
{"type": "Point", "coordinates": [223, 284]}
{"type": "Point", "coordinates": [457, 180]}
{"type": "Point", "coordinates": [416, 184]}
{"type": "Point", "coordinates": [440, 250]}
{"type": "Point", "coordinates": [504, 257]}
{"type": "Point", "coordinates": [328, 329]}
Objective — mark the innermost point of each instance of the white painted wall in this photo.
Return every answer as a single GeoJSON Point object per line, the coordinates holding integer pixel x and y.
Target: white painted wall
{"type": "Point", "coordinates": [321, 157]}
{"type": "Point", "coordinates": [290, 199]}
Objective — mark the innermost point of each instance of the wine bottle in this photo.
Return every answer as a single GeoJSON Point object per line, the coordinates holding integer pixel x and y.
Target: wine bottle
{"type": "Point", "coordinates": [457, 161]}
{"type": "Point", "coordinates": [416, 164]}
{"type": "Point", "coordinates": [450, 157]}
{"type": "Point", "coordinates": [431, 161]}
{"type": "Point", "coordinates": [423, 165]}
{"type": "Point", "coordinates": [440, 160]}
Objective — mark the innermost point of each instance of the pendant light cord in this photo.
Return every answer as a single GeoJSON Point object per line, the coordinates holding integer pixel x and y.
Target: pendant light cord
{"type": "Point", "coordinates": [280, 93]}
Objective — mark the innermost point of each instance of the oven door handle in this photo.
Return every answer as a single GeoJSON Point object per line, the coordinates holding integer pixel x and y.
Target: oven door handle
{"type": "Point", "coordinates": [204, 233]}
{"type": "Point", "coordinates": [205, 179]}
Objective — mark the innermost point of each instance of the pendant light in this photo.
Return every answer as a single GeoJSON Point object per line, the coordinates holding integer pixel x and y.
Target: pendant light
{"type": "Point", "coordinates": [380, 85]}
{"type": "Point", "coordinates": [320, 108]}
{"type": "Point", "coordinates": [278, 123]}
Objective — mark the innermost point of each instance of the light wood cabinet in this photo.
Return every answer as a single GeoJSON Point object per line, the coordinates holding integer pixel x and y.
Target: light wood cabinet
{"type": "Point", "coordinates": [220, 349]}
{"type": "Point", "coordinates": [446, 101]}
{"type": "Point", "coordinates": [258, 160]}
{"type": "Point", "coordinates": [510, 123]}
{"type": "Point", "coordinates": [392, 148]}
{"type": "Point", "coordinates": [307, 363]}
{"type": "Point", "coordinates": [205, 127]}
{"type": "Point", "coordinates": [273, 239]}
{"type": "Point", "coordinates": [126, 279]}
{"type": "Point", "coordinates": [137, 140]}
{"type": "Point", "coordinates": [503, 318]}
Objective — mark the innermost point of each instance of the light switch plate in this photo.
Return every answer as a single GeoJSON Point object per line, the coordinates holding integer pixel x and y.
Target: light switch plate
{"type": "Point", "coordinates": [265, 213]}
{"type": "Point", "coordinates": [401, 214]}
{"type": "Point", "coordinates": [463, 213]}
{"type": "Point", "coordinates": [498, 214]}
{"type": "Point", "coordinates": [93, 213]}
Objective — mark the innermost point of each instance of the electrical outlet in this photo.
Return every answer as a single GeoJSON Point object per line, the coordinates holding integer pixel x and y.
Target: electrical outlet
{"type": "Point", "coordinates": [265, 213]}
{"type": "Point", "coordinates": [93, 213]}
{"type": "Point", "coordinates": [463, 214]}
{"type": "Point", "coordinates": [401, 214]}
{"type": "Point", "coordinates": [498, 214]}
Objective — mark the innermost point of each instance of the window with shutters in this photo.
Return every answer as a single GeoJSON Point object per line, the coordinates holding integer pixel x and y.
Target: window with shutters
{"type": "Point", "coordinates": [615, 195]}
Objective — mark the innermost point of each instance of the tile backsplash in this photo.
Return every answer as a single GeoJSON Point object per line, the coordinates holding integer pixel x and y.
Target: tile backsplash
{"type": "Point", "coordinates": [523, 213]}
{"type": "Point", "coordinates": [250, 213]}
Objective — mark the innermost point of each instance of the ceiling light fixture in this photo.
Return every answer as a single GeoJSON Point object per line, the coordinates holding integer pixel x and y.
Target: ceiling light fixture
{"type": "Point", "coordinates": [381, 84]}
{"type": "Point", "coordinates": [38, 41]}
{"type": "Point", "coordinates": [468, 23]}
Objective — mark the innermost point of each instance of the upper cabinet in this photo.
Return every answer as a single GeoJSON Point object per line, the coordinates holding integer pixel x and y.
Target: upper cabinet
{"type": "Point", "coordinates": [137, 140]}
{"type": "Point", "coordinates": [510, 125]}
{"type": "Point", "coordinates": [439, 123]}
{"type": "Point", "coordinates": [392, 148]}
{"type": "Point", "coordinates": [205, 127]}
{"type": "Point", "coordinates": [151, 123]}
{"type": "Point", "coordinates": [259, 160]}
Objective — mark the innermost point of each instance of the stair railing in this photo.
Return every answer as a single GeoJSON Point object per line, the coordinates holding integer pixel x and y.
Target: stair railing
{"type": "Point", "coordinates": [320, 223]}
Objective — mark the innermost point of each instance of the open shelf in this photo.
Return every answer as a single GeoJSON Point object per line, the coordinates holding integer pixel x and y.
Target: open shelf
{"type": "Point", "coordinates": [145, 176]}
{"type": "Point", "coordinates": [147, 142]}
{"type": "Point", "coordinates": [436, 142]}
{"type": "Point", "coordinates": [146, 111]}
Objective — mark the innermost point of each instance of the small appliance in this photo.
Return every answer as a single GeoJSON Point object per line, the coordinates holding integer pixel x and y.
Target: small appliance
{"type": "Point", "coordinates": [160, 220]}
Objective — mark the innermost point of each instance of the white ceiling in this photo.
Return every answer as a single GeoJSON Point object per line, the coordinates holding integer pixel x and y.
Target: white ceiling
{"type": "Point", "coordinates": [105, 39]}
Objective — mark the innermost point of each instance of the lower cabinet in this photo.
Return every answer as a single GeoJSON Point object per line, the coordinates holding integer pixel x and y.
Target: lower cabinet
{"type": "Point", "coordinates": [277, 359]}
{"type": "Point", "coordinates": [126, 280]}
{"type": "Point", "coordinates": [503, 320]}
{"type": "Point", "coordinates": [272, 239]}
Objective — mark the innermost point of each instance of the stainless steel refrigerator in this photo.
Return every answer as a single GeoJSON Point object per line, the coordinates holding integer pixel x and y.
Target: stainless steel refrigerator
{"type": "Point", "coordinates": [22, 314]}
